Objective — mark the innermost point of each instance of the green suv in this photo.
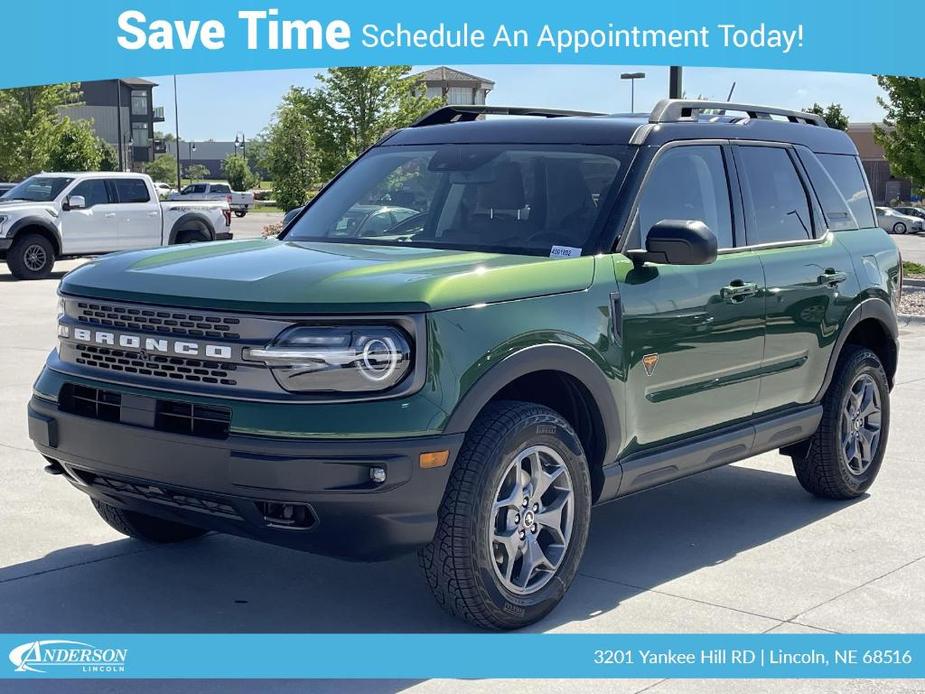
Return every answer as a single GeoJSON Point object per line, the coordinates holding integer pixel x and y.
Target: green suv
{"type": "Point", "coordinates": [570, 308]}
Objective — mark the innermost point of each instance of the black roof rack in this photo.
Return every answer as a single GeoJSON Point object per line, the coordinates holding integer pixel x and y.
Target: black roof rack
{"type": "Point", "coordinates": [458, 114]}
{"type": "Point", "coordinates": [680, 110]}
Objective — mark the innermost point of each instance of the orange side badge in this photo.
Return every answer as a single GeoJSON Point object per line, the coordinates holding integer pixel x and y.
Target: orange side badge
{"type": "Point", "coordinates": [649, 361]}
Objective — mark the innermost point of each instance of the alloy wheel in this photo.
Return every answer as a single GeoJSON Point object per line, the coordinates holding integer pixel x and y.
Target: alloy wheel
{"type": "Point", "coordinates": [35, 258]}
{"type": "Point", "coordinates": [860, 424]}
{"type": "Point", "coordinates": [531, 520]}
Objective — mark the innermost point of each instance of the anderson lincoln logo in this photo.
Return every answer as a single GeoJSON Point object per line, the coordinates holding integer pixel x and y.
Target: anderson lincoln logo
{"type": "Point", "coordinates": [150, 345]}
{"type": "Point", "coordinates": [42, 656]}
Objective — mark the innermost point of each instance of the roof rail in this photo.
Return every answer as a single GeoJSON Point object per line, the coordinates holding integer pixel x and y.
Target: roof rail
{"type": "Point", "coordinates": [676, 110]}
{"type": "Point", "coordinates": [457, 114]}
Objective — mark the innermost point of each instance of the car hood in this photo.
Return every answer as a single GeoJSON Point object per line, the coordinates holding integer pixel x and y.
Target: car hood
{"type": "Point", "coordinates": [25, 207]}
{"type": "Point", "coordinates": [297, 277]}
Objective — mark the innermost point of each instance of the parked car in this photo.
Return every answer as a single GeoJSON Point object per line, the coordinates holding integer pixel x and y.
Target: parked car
{"type": "Point", "coordinates": [580, 311]}
{"type": "Point", "coordinates": [239, 203]}
{"type": "Point", "coordinates": [896, 222]}
{"type": "Point", "coordinates": [163, 189]}
{"type": "Point", "coordinates": [52, 216]}
{"type": "Point", "coordinates": [909, 211]}
{"type": "Point", "coordinates": [365, 220]}
{"type": "Point", "coordinates": [4, 187]}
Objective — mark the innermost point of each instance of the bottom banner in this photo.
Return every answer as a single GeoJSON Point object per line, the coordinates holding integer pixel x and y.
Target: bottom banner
{"type": "Point", "coordinates": [415, 656]}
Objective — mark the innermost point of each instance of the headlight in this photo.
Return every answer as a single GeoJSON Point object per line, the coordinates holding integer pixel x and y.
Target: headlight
{"type": "Point", "coordinates": [61, 308]}
{"type": "Point", "coordinates": [343, 359]}
{"type": "Point", "coordinates": [3, 219]}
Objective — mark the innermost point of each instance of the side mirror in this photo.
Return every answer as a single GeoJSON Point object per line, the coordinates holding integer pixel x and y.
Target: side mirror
{"type": "Point", "coordinates": [677, 242]}
{"type": "Point", "coordinates": [75, 202]}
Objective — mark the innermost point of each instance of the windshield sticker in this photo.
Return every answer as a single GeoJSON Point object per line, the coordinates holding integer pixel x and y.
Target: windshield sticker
{"type": "Point", "coordinates": [564, 252]}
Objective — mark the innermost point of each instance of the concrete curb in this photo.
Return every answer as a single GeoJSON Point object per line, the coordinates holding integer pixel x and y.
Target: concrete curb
{"type": "Point", "coordinates": [913, 282]}
{"type": "Point", "coordinates": [905, 319]}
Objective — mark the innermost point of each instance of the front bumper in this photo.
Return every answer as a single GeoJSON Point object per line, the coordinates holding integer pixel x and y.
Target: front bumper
{"type": "Point", "coordinates": [238, 484]}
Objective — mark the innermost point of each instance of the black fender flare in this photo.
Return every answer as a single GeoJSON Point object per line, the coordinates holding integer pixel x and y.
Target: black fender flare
{"type": "Point", "coordinates": [545, 357]}
{"type": "Point", "coordinates": [875, 308]}
{"type": "Point", "coordinates": [190, 217]}
{"type": "Point", "coordinates": [41, 222]}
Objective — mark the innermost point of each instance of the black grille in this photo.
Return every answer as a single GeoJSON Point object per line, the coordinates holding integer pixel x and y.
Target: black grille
{"type": "Point", "coordinates": [195, 420]}
{"type": "Point", "coordinates": [162, 494]}
{"type": "Point", "coordinates": [161, 321]}
{"type": "Point", "coordinates": [90, 402]}
{"type": "Point", "coordinates": [170, 416]}
{"type": "Point", "coordinates": [177, 368]}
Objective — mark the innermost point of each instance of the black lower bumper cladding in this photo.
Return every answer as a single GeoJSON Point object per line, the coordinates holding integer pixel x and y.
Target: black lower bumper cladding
{"type": "Point", "coordinates": [175, 461]}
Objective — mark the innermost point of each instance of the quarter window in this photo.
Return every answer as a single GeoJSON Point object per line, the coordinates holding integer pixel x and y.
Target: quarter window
{"type": "Point", "coordinates": [776, 202]}
{"type": "Point", "coordinates": [846, 171]}
{"type": "Point", "coordinates": [688, 183]}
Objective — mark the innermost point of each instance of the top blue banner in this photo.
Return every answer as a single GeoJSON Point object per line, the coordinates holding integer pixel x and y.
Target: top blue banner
{"type": "Point", "coordinates": [65, 41]}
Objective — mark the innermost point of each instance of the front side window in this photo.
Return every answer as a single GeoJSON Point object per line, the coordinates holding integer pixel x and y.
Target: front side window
{"type": "Point", "coordinates": [499, 198]}
{"type": "Point", "coordinates": [132, 190]}
{"type": "Point", "coordinates": [776, 202]}
{"type": "Point", "coordinates": [38, 189]}
{"type": "Point", "coordinates": [687, 183]}
{"type": "Point", "coordinates": [94, 191]}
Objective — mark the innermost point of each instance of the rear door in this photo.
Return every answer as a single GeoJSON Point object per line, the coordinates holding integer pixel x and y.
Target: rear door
{"type": "Point", "coordinates": [94, 229]}
{"type": "Point", "coordinates": [790, 223]}
{"type": "Point", "coordinates": [693, 335]}
{"type": "Point", "coordinates": [139, 214]}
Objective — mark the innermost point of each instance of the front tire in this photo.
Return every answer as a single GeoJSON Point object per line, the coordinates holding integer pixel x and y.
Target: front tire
{"type": "Point", "coordinates": [843, 457]}
{"type": "Point", "coordinates": [32, 257]}
{"type": "Point", "coordinates": [144, 527]}
{"type": "Point", "coordinates": [899, 228]}
{"type": "Point", "coordinates": [240, 214]}
{"type": "Point", "coordinates": [514, 520]}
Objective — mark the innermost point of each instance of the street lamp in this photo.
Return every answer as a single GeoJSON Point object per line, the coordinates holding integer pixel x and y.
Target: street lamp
{"type": "Point", "coordinates": [129, 145]}
{"type": "Point", "coordinates": [632, 77]}
{"type": "Point", "coordinates": [240, 141]}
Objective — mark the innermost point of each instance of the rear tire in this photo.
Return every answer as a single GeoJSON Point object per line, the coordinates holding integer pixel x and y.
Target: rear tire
{"type": "Point", "coordinates": [514, 520]}
{"type": "Point", "coordinates": [192, 236]}
{"type": "Point", "coordinates": [240, 214]}
{"type": "Point", "coordinates": [32, 257]}
{"type": "Point", "coordinates": [899, 228]}
{"type": "Point", "coordinates": [144, 527]}
{"type": "Point", "coordinates": [843, 457]}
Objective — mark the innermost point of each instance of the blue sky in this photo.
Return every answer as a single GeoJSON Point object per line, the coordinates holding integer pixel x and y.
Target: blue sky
{"type": "Point", "coordinates": [219, 105]}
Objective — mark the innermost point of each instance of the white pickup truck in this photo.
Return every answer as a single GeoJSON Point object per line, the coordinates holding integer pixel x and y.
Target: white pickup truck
{"type": "Point", "coordinates": [239, 203]}
{"type": "Point", "coordinates": [64, 215]}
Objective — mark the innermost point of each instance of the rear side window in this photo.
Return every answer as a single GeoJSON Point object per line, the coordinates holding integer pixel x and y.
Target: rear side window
{"type": "Point", "coordinates": [94, 192]}
{"type": "Point", "coordinates": [837, 213]}
{"type": "Point", "coordinates": [132, 190]}
{"type": "Point", "coordinates": [776, 203]}
{"type": "Point", "coordinates": [846, 171]}
{"type": "Point", "coordinates": [221, 189]}
{"type": "Point", "coordinates": [689, 183]}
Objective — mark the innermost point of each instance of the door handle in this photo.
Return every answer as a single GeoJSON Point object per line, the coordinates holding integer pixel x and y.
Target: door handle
{"type": "Point", "coordinates": [109, 215]}
{"type": "Point", "coordinates": [153, 214]}
{"type": "Point", "coordinates": [738, 290]}
{"type": "Point", "coordinates": [832, 278]}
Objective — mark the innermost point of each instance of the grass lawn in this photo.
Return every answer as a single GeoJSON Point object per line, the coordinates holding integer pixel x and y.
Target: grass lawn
{"type": "Point", "coordinates": [911, 269]}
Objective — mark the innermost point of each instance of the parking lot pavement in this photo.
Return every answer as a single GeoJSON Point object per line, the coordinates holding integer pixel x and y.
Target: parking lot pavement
{"type": "Point", "coordinates": [912, 246]}
{"type": "Point", "coordinates": [738, 549]}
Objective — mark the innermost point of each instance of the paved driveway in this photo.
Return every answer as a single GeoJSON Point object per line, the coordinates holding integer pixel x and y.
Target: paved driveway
{"type": "Point", "coordinates": [738, 549]}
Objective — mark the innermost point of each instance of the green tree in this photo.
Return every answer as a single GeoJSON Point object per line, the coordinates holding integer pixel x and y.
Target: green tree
{"type": "Point", "coordinates": [109, 160]}
{"type": "Point", "coordinates": [197, 172]}
{"type": "Point", "coordinates": [903, 138]}
{"type": "Point", "coordinates": [238, 173]}
{"type": "Point", "coordinates": [163, 169]}
{"type": "Point", "coordinates": [29, 117]}
{"type": "Point", "coordinates": [833, 115]}
{"type": "Point", "coordinates": [290, 157]}
{"type": "Point", "coordinates": [74, 147]}
{"type": "Point", "coordinates": [355, 106]}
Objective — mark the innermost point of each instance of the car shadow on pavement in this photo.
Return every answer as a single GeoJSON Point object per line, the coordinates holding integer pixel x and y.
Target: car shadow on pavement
{"type": "Point", "coordinates": [7, 277]}
{"type": "Point", "coordinates": [225, 584]}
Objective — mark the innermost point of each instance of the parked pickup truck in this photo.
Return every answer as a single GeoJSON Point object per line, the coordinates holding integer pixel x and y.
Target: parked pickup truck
{"type": "Point", "coordinates": [239, 203]}
{"type": "Point", "coordinates": [62, 215]}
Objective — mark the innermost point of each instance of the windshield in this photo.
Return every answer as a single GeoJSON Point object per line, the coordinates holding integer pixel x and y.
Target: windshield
{"type": "Point", "coordinates": [38, 189]}
{"type": "Point", "coordinates": [537, 200]}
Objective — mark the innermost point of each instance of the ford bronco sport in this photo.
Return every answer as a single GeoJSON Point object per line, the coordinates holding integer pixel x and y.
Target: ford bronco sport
{"type": "Point", "coordinates": [582, 307]}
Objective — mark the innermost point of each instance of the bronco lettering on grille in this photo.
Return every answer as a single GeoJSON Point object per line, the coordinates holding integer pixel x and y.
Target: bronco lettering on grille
{"type": "Point", "coordinates": [151, 345]}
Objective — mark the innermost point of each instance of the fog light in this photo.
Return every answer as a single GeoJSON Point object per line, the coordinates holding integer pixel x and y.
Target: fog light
{"type": "Point", "coordinates": [377, 474]}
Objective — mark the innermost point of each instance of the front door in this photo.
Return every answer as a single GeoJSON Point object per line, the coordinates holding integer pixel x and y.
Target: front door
{"type": "Point", "coordinates": [693, 335]}
{"type": "Point", "coordinates": [93, 229]}
{"type": "Point", "coordinates": [139, 214]}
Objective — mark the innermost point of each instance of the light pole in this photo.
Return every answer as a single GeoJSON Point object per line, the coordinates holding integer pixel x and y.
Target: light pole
{"type": "Point", "coordinates": [240, 141]}
{"type": "Point", "coordinates": [176, 114]}
{"type": "Point", "coordinates": [675, 82]}
{"type": "Point", "coordinates": [632, 77]}
{"type": "Point", "coordinates": [129, 147]}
